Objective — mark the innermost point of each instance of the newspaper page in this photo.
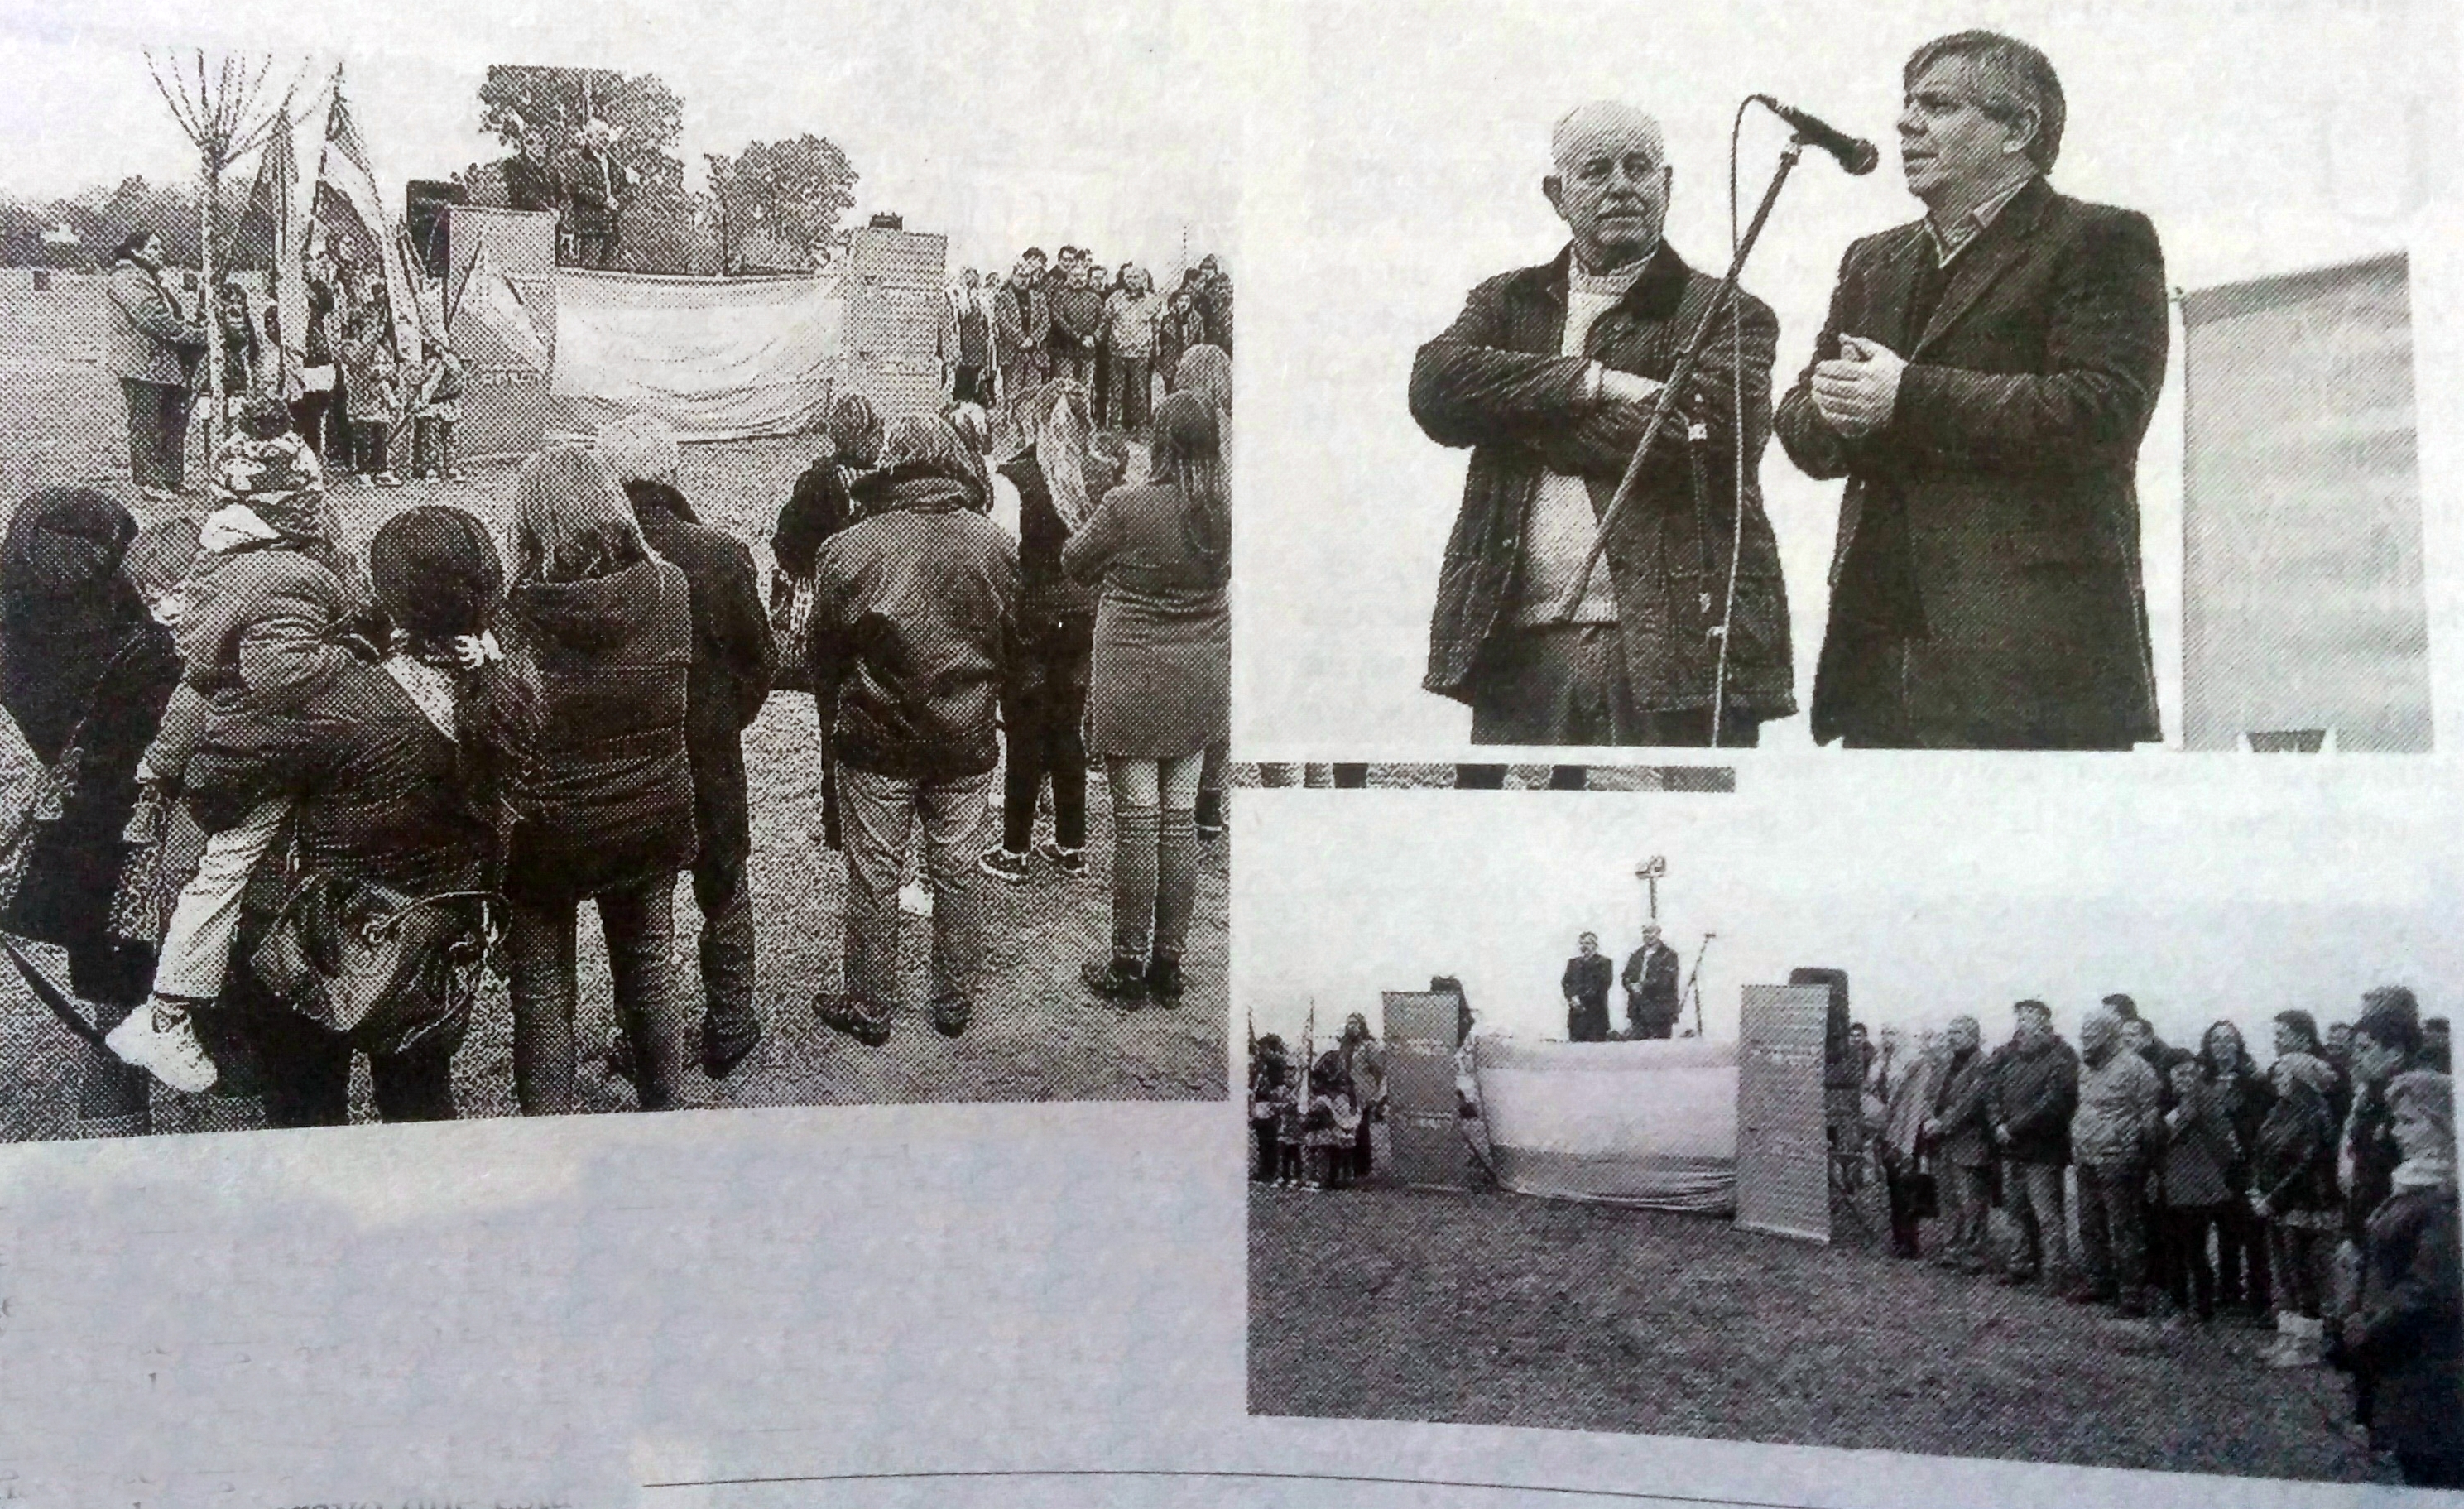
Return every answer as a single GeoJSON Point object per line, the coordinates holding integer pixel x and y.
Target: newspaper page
{"type": "Point", "coordinates": [1777, 829]}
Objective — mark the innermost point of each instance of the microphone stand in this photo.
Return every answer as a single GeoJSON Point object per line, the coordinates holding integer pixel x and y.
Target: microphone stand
{"type": "Point", "coordinates": [1669, 393]}
{"type": "Point", "coordinates": [1693, 981]}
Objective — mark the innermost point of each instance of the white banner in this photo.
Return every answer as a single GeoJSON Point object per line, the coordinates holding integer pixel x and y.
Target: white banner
{"type": "Point", "coordinates": [718, 359]}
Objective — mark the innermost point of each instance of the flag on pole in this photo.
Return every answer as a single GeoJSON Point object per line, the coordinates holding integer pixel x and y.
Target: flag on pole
{"type": "Point", "coordinates": [351, 220]}
{"type": "Point", "coordinates": [268, 238]}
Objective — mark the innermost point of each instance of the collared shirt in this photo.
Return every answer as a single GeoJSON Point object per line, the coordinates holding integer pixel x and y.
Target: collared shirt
{"type": "Point", "coordinates": [1971, 224]}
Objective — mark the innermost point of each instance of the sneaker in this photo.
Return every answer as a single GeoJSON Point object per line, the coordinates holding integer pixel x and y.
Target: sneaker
{"type": "Point", "coordinates": [845, 1014]}
{"type": "Point", "coordinates": [386, 480]}
{"type": "Point", "coordinates": [1005, 865]}
{"type": "Point", "coordinates": [950, 1017]}
{"type": "Point", "coordinates": [1122, 980]}
{"type": "Point", "coordinates": [914, 900]}
{"type": "Point", "coordinates": [1164, 982]}
{"type": "Point", "coordinates": [1068, 861]}
{"type": "Point", "coordinates": [171, 1053]}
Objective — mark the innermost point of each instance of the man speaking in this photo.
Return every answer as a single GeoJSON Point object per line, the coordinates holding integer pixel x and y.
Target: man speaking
{"type": "Point", "coordinates": [1549, 375]}
{"type": "Point", "coordinates": [1983, 382]}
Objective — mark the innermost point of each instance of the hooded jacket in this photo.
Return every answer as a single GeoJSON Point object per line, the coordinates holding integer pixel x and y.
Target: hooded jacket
{"type": "Point", "coordinates": [2118, 1096]}
{"type": "Point", "coordinates": [915, 628]}
{"type": "Point", "coordinates": [600, 789]}
{"type": "Point", "coordinates": [733, 662]}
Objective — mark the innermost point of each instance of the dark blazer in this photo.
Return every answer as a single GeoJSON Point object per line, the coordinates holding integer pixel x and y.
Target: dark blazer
{"type": "Point", "coordinates": [1494, 382]}
{"type": "Point", "coordinates": [2012, 457]}
{"type": "Point", "coordinates": [1651, 988]}
{"type": "Point", "coordinates": [1586, 982]}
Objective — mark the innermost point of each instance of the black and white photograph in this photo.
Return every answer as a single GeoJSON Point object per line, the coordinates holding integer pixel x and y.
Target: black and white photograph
{"type": "Point", "coordinates": [577, 587]}
{"type": "Point", "coordinates": [1755, 1121]}
{"type": "Point", "coordinates": [2003, 378]}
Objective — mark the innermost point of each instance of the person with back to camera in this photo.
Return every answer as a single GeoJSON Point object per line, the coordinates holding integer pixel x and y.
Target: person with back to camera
{"type": "Point", "coordinates": [600, 783]}
{"type": "Point", "coordinates": [1159, 686]}
{"type": "Point", "coordinates": [1983, 382]}
{"type": "Point", "coordinates": [1549, 375]}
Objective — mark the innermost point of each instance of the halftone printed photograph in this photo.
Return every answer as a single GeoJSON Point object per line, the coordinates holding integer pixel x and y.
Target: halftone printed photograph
{"type": "Point", "coordinates": [584, 588]}
{"type": "Point", "coordinates": [1754, 1119]}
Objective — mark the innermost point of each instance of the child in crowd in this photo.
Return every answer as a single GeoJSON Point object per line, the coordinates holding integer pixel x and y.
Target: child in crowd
{"type": "Point", "coordinates": [1270, 1091]}
{"type": "Point", "coordinates": [435, 410]}
{"type": "Point", "coordinates": [371, 388]}
{"type": "Point", "coordinates": [1331, 1125]}
{"type": "Point", "coordinates": [262, 622]}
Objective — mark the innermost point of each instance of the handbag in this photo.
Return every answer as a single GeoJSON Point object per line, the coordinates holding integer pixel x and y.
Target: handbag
{"type": "Point", "coordinates": [387, 970]}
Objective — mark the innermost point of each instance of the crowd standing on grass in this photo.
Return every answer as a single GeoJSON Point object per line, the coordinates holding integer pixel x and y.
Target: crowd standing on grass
{"type": "Point", "coordinates": [2316, 1196]}
{"type": "Point", "coordinates": [298, 798]}
{"type": "Point", "coordinates": [1110, 330]}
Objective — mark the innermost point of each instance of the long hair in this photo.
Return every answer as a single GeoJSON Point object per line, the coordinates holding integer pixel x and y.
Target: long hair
{"type": "Point", "coordinates": [1051, 422]}
{"type": "Point", "coordinates": [572, 521]}
{"type": "Point", "coordinates": [1189, 455]}
{"type": "Point", "coordinates": [1206, 371]}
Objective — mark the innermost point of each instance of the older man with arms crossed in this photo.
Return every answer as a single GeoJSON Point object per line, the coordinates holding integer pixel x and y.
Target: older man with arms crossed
{"type": "Point", "coordinates": [1983, 380]}
{"type": "Point", "coordinates": [1549, 375]}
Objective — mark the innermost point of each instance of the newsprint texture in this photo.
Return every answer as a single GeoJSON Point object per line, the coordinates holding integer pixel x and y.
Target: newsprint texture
{"type": "Point", "coordinates": [683, 822]}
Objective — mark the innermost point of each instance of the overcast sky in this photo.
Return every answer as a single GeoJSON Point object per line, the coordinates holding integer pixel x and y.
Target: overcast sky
{"type": "Point", "coordinates": [2260, 138]}
{"type": "Point", "coordinates": [1942, 885]}
{"type": "Point", "coordinates": [1053, 124]}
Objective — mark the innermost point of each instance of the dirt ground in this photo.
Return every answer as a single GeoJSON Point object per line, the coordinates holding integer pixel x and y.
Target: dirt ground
{"type": "Point", "coordinates": [1039, 1033]}
{"type": "Point", "coordinates": [1492, 1308]}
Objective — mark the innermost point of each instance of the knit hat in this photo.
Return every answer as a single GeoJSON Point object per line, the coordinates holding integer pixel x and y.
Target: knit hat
{"type": "Point", "coordinates": [640, 447]}
{"type": "Point", "coordinates": [437, 573]}
{"type": "Point", "coordinates": [855, 429]}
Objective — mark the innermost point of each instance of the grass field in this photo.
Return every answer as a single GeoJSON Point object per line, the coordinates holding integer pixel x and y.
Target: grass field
{"type": "Point", "coordinates": [1038, 1034]}
{"type": "Point", "coordinates": [1492, 1308]}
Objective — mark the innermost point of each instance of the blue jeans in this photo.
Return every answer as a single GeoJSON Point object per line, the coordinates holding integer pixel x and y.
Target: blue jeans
{"type": "Point", "coordinates": [2032, 1193]}
{"type": "Point", "coordinates": [639, 923]}
{"type": "Point", "coordinates": [878, 816]}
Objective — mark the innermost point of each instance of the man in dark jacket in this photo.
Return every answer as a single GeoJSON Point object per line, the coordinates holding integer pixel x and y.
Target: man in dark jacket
{"type": "Point", "coordinates": [1585, 985]}
{"type": "Point", "coordinates": [1651, 987]}
{"type": "Point", "coordinates": [1955, 1128]}
{"type": "Point", "coordinates": [1549, 375]}
{"type": "Point", "coordinates": [913, 638]}
{"type": "Point", "coordinates": [1022, 326]}
{"type": "Point", "coordinates": [733, 659]}
{"type": "Point", "coordinates": [2034, 1092]}
{"type": "Point", "coordinates": [1077, 320]}
{"type": "Point", "coordinates": [1983, 382]}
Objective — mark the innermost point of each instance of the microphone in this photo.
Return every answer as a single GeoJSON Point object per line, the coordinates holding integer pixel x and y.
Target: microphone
{"type": "Point", "coordinates": [1856, 155]}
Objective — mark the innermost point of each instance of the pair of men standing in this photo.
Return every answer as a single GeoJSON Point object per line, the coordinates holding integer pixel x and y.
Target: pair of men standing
{"type": "Point", "coordinates": [1652, 995]}
{"type": "Point", "coordinates": [1983, 382]}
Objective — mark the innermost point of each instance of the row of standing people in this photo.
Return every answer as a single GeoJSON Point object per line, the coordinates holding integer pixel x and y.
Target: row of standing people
{"type": "Point", "coordinates": [1113, 332]}
{"type": "Point", "coordinates": [425, 731]}
{"type": "Point", "coordinates": [2317, 1196]}
{"type": "Point", "coordinates": [1310, 1120]}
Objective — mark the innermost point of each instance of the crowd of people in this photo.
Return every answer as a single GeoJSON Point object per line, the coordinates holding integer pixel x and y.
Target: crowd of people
{"type": "Point", "coordinates": [2316, 1195]}
{"type": "Point", "coordinates": [363, 393]}
{"type": "Point", "coordinates": [1069, 317]}
{"type": "Point", "coordinates": [298, 796]}
{"type": "Point", "coordinates": [1310, 1120]}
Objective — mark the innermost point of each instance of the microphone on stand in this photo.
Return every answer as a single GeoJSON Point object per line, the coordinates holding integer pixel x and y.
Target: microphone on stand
{"type": "Point", "coordinates": [1855, 154]}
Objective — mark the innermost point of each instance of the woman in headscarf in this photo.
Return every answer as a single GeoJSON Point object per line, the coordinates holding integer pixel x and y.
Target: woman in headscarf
{"type": "Point", "coordinates": [1205, 374]}
{"type": "Point", "coordinates": [1159, 694]}
{"type": "Point", "coordinates": [2405, 1341]}
{"type": "Point", "coordinates": [601, 792]}
{"type": "Point", "coordinates": [1047, 463]}
{"type": "Point", "coordinates": [86, 671]}
{"type": "Point", "coordinates": [2292, 1189]}
{"type": "Point", "coordinates": [2243, 1096]}
{"type": "Point", "coordinates": [387, 775]}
